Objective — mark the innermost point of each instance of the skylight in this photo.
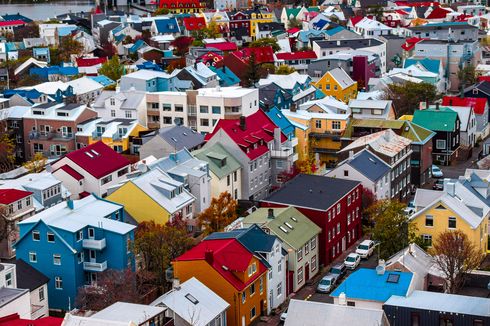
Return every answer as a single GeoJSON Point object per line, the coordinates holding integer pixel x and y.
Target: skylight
{"type": "Point", "coordinates": [191, 298]}
{"type": "Point", "coordinates": [289, 225]}
{"type": "Point", "coordinates": [89, 155]}
{"type": "Point", "coordinates": [283, 229]}
{"type": "Point", "coordinates": [393, 278]}
{"type": "Point", "coordinates": [294, 219]}
{"type": "Point", "coordinates": [96, 153]}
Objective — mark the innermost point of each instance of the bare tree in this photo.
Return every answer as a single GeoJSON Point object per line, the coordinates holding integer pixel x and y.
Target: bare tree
{"type": "Point", "coordinates": [455, 255]}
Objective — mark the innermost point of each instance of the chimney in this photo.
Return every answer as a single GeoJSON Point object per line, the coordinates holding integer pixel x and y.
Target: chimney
{"type": "Point", "coordinates": [449, 187]}
{"type": "Point", "coordinates": [270, 213]}
{"type": "Point", "coordinates": [176, 284]}
{"type": "Point", "coordinates": [437, 106]}
{"type": "Point", "coordinates": [381, 268]}
{"type": "Point", "coordinates": [195, 65]}
{"type": "Point", "coordinates": [342, 299]}
{"type": "Point", "coordinates": [277, 139]}
{"type": "Point", "coordinates": [243, 123]}
{"type": "Point", "coordinates": [208, 256]}
{"type": "Point", "coordinates": [411, 249]}
{"type": "Point", "coordinates": [69, 204]}
{"type": "Point", "coordinates": [351, 154]}
{"type": "Point", "coordinates": [293, 107]}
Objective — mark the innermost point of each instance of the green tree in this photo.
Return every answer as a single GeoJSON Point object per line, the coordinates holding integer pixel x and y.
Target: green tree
{"type": "Point", "coordinates": [376, 11]}
{"type": "Point", "coordinates": [266, 41]}
{"type": "Point", "coordinates": [161, 11]}
{"type": "Point", "coordinates": [391, 227]}
{"type": "Point", "coordinates": [285, 70]}
{"type": "Point", "coordinates": [66, 48]}
{"type": "Point", "coordinates": [36, 164]}
{"type": "Point", "coordinates": [112, 68]}
{"type": "Point", "coordinates": [252, 75]}
{"type": "Point", "coordinates": [7, 153]}
{"type": "Point", "coordinates": [221, 212]}
{"type": "Point", "coordinates": [467, 76]}
{"type": "Point", "coordinates": [295, 23]}
{"type": "Point", "coordinates": [407, 96]}
{"type": "Point", "coordinates": [212, 30]}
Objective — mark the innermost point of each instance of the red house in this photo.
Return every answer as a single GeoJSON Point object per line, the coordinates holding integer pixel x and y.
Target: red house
{"type": "Point", "coordinates": [194, 23]}
{"type": "Point", "coordinates": [331, 203]}
{"type": "Point", "coordinates": [239, 20]}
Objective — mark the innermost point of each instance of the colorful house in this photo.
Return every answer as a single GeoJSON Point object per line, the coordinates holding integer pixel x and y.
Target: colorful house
{"type": "Point", "coordinates": [337, 83]}
{"type": "Point", "coordinates": [181, 7]}
{"type": "Point", "coordinates": [74, 241]}
{"type": "Point", "coordinates": [231, 271]}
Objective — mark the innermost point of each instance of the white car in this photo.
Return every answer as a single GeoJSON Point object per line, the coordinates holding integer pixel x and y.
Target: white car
{"type": "Point", "coordinates": [365, 249]}
{"type": "Point", "coordinates": [352, 260]}
{"type": "Point", "coordinates": [284, 315]}
{"type": "Point", "coordinates": [327, 283]}
{"type": "Point", "coordinates": [436, 172]}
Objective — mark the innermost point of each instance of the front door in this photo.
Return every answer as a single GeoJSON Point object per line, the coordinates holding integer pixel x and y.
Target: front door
{"type": "Point", "coordinates": [343, 244]}
{"type": "Point", "coordinates": [307, 271]}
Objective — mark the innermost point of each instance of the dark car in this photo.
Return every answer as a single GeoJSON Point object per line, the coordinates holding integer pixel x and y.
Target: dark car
{"type": "Point", "coordinates": [438, 185]}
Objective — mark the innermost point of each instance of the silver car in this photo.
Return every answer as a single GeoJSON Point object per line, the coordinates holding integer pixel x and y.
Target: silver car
{"type": "Point", "coordinates": [327, 283]}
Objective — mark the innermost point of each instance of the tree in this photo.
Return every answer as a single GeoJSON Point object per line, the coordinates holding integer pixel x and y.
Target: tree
{"type": "Point", "coordinates": [212, 30]}
{"type": "Point", "coordinates": [407, 96]}
{"type": "Point", "coordinates": [295, 23]}
{"type": "Point", "coordinates": [66, 48]}
{"type": "Point", "coordinates": [29, 30]}
{"type": "Point", "coordinates": [109, 50]}
{"type": "Point", "coordinates": [285, 70]}
{"type": "Point", "coordinates": [7, 153]}
{"type": "Point", "coordinates": [391, 227]}
{"type": "Point", "coordinates": [112, 68]}
{"type": "Point", "coordinates": [36, 164]}
{"type": "Point", "coordinates": [455, 255]}
{"type": "Point", "coordinates": [252, 75]}
{"type": "Point", "coordinates": [181, 45]}
{"type": "Point", "coordinates": [266, 41]}
{"type": "Point", "coordinates": [161, 11]}
{"type": "Point", "coordinates": [467, 76]}
{"type": "Point", "coordinates": [128, 40]}
{"type": "Point", "coordinates": [376, 11]}
{"type": "Point", "coordinates": [7, 224]}
{"type": "Point", "coordinates": [221, 212]}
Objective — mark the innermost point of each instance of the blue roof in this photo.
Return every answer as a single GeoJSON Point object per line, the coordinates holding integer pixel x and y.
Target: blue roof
{"type": "Point", "coordinates": [66, 30]}
{"type": "Point", "coordinates": [138, 44]}
{"type": "Point", "coordinates": [335, 30]}
{"type": "Point", "coordinates": [431, 65]}
{"type": "Point", "coordinates": [366, 284]}
{"type": "Point", "coordinates": [446, 24]}
{"type": "Point", "coordinates": [103, 80]}
{"type": "Point", "coordinates": [148, 65]}
{"type": "Point", "coordinates": [54, 70]}
{"type": "Point", "coordinates": [16, 17]}
{"type": "Point", "coordinates": [320, 24]}
{"type": "Point", "coordinates": [319, 94]}
{"type": "Point", "coordinates": [11, 46]}
{"type": "Point", "coordinates": [226, 76]}
{"type": "Point", "coordinates": [28, 94]}
{"type": "Point", "coordinates": [40, 51]}
{"type": "Point", "coordinates": [281, 121]}
{"type": "Point", "coordinates": [168, 25]}
{"type": "Point", "coordinates": [119, 38]}
{"type": "Point", "coordinates": [369, 165]}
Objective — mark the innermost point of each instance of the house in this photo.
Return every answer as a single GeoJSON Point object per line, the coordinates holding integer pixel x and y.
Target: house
{"type": "Point", "coordinates": [366, 167]}
{"type": "Point", "coordinates": [368, 27]}
{"type": "Point", "coordinates": [287, 128]}
{"type": "Point", "coordinates": [15, 301]}
{"type": "Point", "coordinates": [226, 77]}
{"type": "Point", "coordinates": [193, 24]}
{"type": "Point", "coordinates": [268, 29]}
{"type": "Point", "coordinates": [299, 60]}
{"type": "Point", "coordinates": [299, 237]}
{"type": "Point", "coordinates": [337, 83]}
{"type": "Point", "coordinates": [395, 151]}
{"type": "Point", "coordinates": [372, 109]}
{"type": "Point", "coordinates": [241, 280]}
{"type": "Point", "coordinates": [455, 31]}
{"type": "Point", "coordinates": [428, 308]}
{"type": "Point", "coordinates": [91, 169]}
{"type": "Point", "coordinates": [85, 89]}
{"type": "Point", "coordinates": [370, 288]}
{"type": "Point", "coordinates": [153, 195]}
{"type": "Point", "coordinates": [177, 7]}
{"type": "Point", "coordinates": [480, 108]}
{"type": "Point", "coordinates": [446, 124]}
{"type": "Point", "coordinates": [50, 128]}
{"type": "Point", "coordinates": [323, 314]}
{"type": "Point", "coordinates": [128, 104]}
{"type": "Point", "coordinates": [224, 169]}
{"type": "Point", "coordinates": [459, 206]}
{"type": "Point", "coordinates": [72, 242]}
{"type": "Point", "coordinates": [10, 26]}
{"type": "Point", "coordinates": [54, 73]}
{"type": "Point", "coordinates": [164, 25]}
{"type": "Point", "coordinates": [428, 70]}
{"type": "Point", "coordinates": [478, 90]}
{"type": "Point", "coordinates": [467, 128]}
{"type": "Point", "coordinates": [262, 149]}
{"type": "Point", "coordinates": [332, 204]}
{"type": "Point", "coordinates": [12, 117]}
{"type": "Point", "coordinates": [152, 81]}
{"type": "Point", "coordinates": [139, 314]}
{"type": "Point", "coordinates": [165, 141]}
{"type": "Point", "coordinates": [41, 54]}
{"type": "Point", "coordinates": [199, 74]}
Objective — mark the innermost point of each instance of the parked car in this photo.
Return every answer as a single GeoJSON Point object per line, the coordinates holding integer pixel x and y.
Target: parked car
{"type": "Point", "coordinates": [326, 284]}
{"type": "Point", "coordinates": [338, 270]}
{"type": "Point", "coordinates": [410, 209]}
{"type": "Point", "coordinates": [365, 249]}
{"type": "Point", "coordinates": [438, 185]}
{"type": "Point", "coordinates": [436, 172]}
{"type": "Point", "coordinates": [352, 260]}
{"type": "Point", "coordinates": [284, 315]}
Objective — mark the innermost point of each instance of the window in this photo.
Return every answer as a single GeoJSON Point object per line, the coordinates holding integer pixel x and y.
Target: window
{"type": "Point", "coordinates": [261, 285]}
{"type": "Point", "coordinates": [203, 109]}
{"type": "Point", "coordinates": [216, 110]}
{"type": "Point", "coordinates": [166, 107]}
{"type": "Point", "coordinates": [307, 248]}
{"type": "Point", "coordinates": [346, 173]}
{"type": "Point", "coordinates": [204, 122]}
{"type": "Point", "coordinates": [41, 294]}
{"type": "Point", "coordinates": [8, 279]}
{"type": "Point", "coordinates": [279, 266]}
{"type": "Point", "coordinates": [427, 238]}
{"type": "Point", "coordinates": [106, 180]}
{"type": "Point", "coordinates": [300, 254]}
{"type": "Point", "coordinates": [300, 274]}
{"type": "Point", "coordinates": [252, 313]}
{"type": "Point", "coordinates": [478, 322]}
{"type": "Point", "coordinates": [58, 283]}
{"type": "Point", "coordinates": [91, 233]}
{"type": "Point", "coordinates": [80, 257]}
{"type": "Point", "coordinates": [313, 243]}
{"type": "Point", "coordinates": [128, 114]}
{"type": "Point", "coordinates": [57, 259]}
{"type": "Point", "coordinates": [318, 124]}
{"type": "Point", "coordinates": [279, 289]}
{"type": "Point", "coordinates": [452, 222]}
{"type": "Point", "coordinates": [429, 220]}
{"type": "Point", "coordinates": [348, 200]}
{"type": "Point", "coordinates": [335, 125]}
{"type": "Point", "coordinates": [28, 201]}
{"type": "Point", "coordinates": [19, 204]}
{"type": "Point", "coordinates": [415, 319]}
{"type": "Point", "coordinates": [446, 321]}
{"type": "Point", "coordinates": [122, 172]}
{"type": "Point", "coordinates": [32, 257]}
{"type": "Point", "coordinates": [252, 269]}
{"type": "Point", "coordinates": [244, 296]}
{"type": "Point", "coordinates": [113, 113]}
{"type": "Point", "coordinates": [36, 236]}
{"type": "Point", "coordinates": [252, 289]}
{"type": "Point", "coordinates": [313, 264]}
{"type": "Point", "coordinates": [338, 228]}
{"type": "Point", "coordinates": [79, 235]}
{"type": "Point", "coordinates": [440, 144]}
{"type": "Point", "coordinates": [50, 237]}
{"type": "Point", "coordinates": [338, 208]}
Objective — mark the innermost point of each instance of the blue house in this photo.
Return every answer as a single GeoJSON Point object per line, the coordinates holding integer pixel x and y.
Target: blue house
{"type": "Point", "coordinates": [282, 122]}
{"type": "Point", "coordinates": [41, 54]}
{"type": "Point", "coordinates": [72, 242]}
{"type": "Point", "coordinates": [137, 45]}
{"type": "Point", "coordinates": [54, 73]}
{"type": "Point", "coordinates": [273, 95]}
{"type": "Point", "coordinates": [167, 25]}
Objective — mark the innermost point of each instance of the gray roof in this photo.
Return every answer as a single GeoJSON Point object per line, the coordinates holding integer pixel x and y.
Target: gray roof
{"type": "Point", "coordinates": [443, 302]}
{"type": "Point", "coordinates": [341, 77]}
{"type": "Point", "coordinates": [131, 99]}
{"type": "Point", "coordinates": [8, 295]}
{"type": "Point", "coordinates": [352, 43]}
{"type": "Point", "coordinates": [28, 277]}
{"type": "Point", "coordinates": [369, 165]}
{"type": "Point", "coordinates": [178, 136]}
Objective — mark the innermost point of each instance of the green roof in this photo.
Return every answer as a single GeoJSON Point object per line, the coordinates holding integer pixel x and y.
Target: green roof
{"type": "Point", "coordinates": [292, 11]}
{"type": "Point", "coordinates": [442, 119]}
{"type": "Point", "coordinates": [416, 133]}
{"type": "Point", "coordinates": [288, 224]}
{"type": "Point", "coordinates": [215, 155]}
{"type": "Point", "coordinates": [317, 9]}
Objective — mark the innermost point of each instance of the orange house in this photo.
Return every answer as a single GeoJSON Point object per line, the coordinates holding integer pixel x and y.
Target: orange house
{"type": "Point", "coordinates": [232, 272]}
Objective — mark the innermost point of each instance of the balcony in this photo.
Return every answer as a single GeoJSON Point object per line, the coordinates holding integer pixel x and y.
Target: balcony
{"type": "Point", "coordinates": [94, 244]}
{"type": "Point", "coordinates": [325, 151]}
{"type": "Point", "coordinates": [96, 135]}
{"type": "Point", "coordinates": [94, 267]}
{"type": "Point", "coordinates": [284, 152]}
{"type": "Point", "coordinates": [294, 142]}
{"type": "Point", "coordinates": [154, 125]}
{"type": "Point", "coordinates": [295, 157]}
{"type": "Point", "coordinates": [191, 110]}
{"type": "Point", "coordinates": [330, 134]}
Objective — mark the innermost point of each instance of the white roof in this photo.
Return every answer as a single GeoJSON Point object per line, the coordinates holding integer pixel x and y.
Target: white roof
{"type": "Point", "coordinates": [484, 174]}
{"type": "Point", "coordinates": [25, 64]}
{"type": "Point", "coordinates": [305, 115]}
{"type": "Point", "coordinates": [124, 311]}
{"type": "Point", "coordinates": [416, 70]}
{"type": "Point", "coordinates": [147, 74]}
{"type": "Point", "coordinates": [329, 104]}
{"type": "Point", "coordinates": [87, 211]}
{"type": "Point", "coordinates": [370, 104]}
{"type": "Point", "coordinates": [374, 95]}
{"type": "Point", "coordinates": [284, 81]}
{"type": "Point", "coordinates": [372, 25]}
{"type": "Point", "coordinates": [348, 54]}
{"type": "Point", "coordinates": [385, 142]}
{"type": "Point", "coordinates": [48, 87]}
{"type": "Point", "coordinates": [464, 114]}
{"type": "Point", "coordinates": [84, 85]}
{"type": "Point", "coordinates": [163, 38]}
{"type": "Point", "coordinates": [341, 77]}
{"type": "Point", "coordinates": [206, 307]}
{"type": "Point", "coordinates": [14, 112]}
{"type": "Point", "coordinates": [227, 92]}
{"type": "Point", "coordinates": [71, 320]}
{"type": "Point", "coordinates": [50, 113]}
{"type": "Point", "coordinates": [284, 44]}
{"type": "Point", "coordinates": [423, 197]}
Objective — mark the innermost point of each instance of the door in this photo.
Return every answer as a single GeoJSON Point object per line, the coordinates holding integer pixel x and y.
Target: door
{"type": "Point", "coordinates": [343, 244]}
{"type": "Point", "coordinates": [93, 278]}
{"type": "Point", "coordinates": [307, 271]}
{"type": "Point", "coordinates": [93, 256]}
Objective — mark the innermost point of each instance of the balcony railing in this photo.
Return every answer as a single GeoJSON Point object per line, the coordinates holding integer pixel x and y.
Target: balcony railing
{"type": "Point", "coordinates": [282, 153]}
{"type": "Point", "coordinates": [94, 244]}
{"type": "Point", "coordinates": [330, 134]}
{"type": "Point", "coordinates": [294, 142]}
{"type": "Point", "coordinates": [95, 267]}
{"type": "Point", "coordinates": [191, 110]}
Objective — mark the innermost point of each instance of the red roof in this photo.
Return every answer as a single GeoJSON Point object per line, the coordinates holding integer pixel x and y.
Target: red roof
{"type": "Point", "coordinates": [478, 104]}
{"type": "Point", "coordinates": [354, 20]}
{"type": "Point", "coordinates": [410, 43]}
{"type": "Point", "coordinates": [401, 12]}
{"type": "Point", "coordinates": [296, 55]}
{"type": "Point", "coordinates": [9, 196]}
{"type": "Point", "coordinates": [15, 320]}
{"type": "Point", "coordinates": [211, 58]}
{"type": "Point", "coordinates": [226, 256]}
{"type": "Point", "coordinates": [438, 13]}
{"type": "Point", "coordinates": [223, 46]}
{"type": "Point", "coordinates": [181, 4]}
{"type": "Point", "coordinates": [259, 131]}
{"type": "Point", "coordinates": [416, 4]}
{"type": "Point", "coordinates": [194, 23]}
{"type": "Point", "coordinates": [70, 171]}
{"type": "Point", "coordinates": [98, 159]}
{"type": "Point", "coordinates": [263, 54]}
{"type": "Point", "coordinates": [12, 23]}
{"type": "Point", "coordinates": [293, 30]}
{"type": "Point", "coordinates": [484, 78]}
{"type": "Point", "coordinates": [89, 62]}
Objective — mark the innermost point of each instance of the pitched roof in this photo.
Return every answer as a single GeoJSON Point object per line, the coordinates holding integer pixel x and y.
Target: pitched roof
{"type": "Point", "coordinates": [477, 103]}
{"type": "Point", "coordinates": [179, 137]}
{"type": "Point", "coordinates": [89, 62]}
{"type": "Point", "coordinates": [167, 25]}
{"type": "Point", "coordinates": [443, 119]}
{"type": "Point", "coordinates": [263, 54]}
{"type": "Point", "coordinates": [368, 164]}
{"type": "Point", "coordinates": [312, 191]}
{"type": "Point", "coordinates": [221, 163]}
{"type": "Point", "coordinates": [342, 78]}
{"type": "Point", "coordinates": [12, 23]}
{"type": "Point", "coordinates": [194, 23]}
{"type": "Point", "coordinates": [70, 171]}
{"type": "Point", "coordinates": [354, 20]}
{"type": "Point", "coordinates": [228, 256]}
{"type": "Point", "coordinates": [15, 320]}
{"type": "Point", "coordinates": [98, 159]}
{"type": "Point", "coordinates": [298, 55]}
{"type": "Point", "coordinates": [438, 13]}
{"type": "Point", "coordinates": [385, 142]}
{"type": "Point", "coordinates": [28, 277]}
{"type": "Point", "coordinates": [8, 196]}
{"type": "Point", "coordinates": [223, 46]}
{"type": "Point", "coordinates": [431, 65]}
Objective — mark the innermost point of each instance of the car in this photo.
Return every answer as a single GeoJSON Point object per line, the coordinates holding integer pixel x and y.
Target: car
{"type": "Point", "coordinates": [284, 315]}
{"type": "Point", "coordinates": [438, 185]}
{"type": "Point", "coordinates": [352, 260]}
{"type": "Point", "coordinates": [338, 270]}
{"type": "Point", "coordinates": [326, 284]}
{"type": "Point", "coordinates": [365, 249]}
{"type": "Point", "coordinates": [436, 172]}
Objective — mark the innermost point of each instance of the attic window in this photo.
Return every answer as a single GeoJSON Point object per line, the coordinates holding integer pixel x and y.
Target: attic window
{"type": "Point", "coordinates": [440, 207]}
{"type": "Point", "coordinates": [191, 298]}
{"type": "Point", "coordinates": [223, 162]}
{"type": "Point", "coordinates": [185, 134]}
{"type": "Point", "coordinates": [175, 140]}
{"type": "Point", "coordinates": [393, 278]}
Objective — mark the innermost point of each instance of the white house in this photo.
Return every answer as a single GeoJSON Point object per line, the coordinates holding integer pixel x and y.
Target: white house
{"type": "Point", "coordinates": [128, 104]}
{"type": "Point", "coordinates": [371, 28]}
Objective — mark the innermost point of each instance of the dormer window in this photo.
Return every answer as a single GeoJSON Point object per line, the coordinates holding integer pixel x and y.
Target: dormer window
{"type": "Point", "coordinates": [252, 269]}
{"type": "Point", "coordinates": [113, 101]}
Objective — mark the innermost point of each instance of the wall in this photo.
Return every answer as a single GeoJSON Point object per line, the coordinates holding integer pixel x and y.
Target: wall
{"type": "Point", "coordinates": [19, 306]}
{"type": "Point", "coordinates": [220, 185]}
{"type": "Point", "coordinates": [36, 301]}
{"type": "Point", "coordinates": [363, 303]}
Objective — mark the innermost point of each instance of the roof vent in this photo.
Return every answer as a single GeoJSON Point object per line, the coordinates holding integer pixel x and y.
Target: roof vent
{"type": "Point", "coordinates": [283, 229]}
{"type": "Point", "coordinates": [96, 153]}
{"type": "Point", "coordinates": [89, 155]}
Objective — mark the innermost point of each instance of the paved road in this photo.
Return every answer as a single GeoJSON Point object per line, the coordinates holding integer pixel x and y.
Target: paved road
{"type": "Point", "coordinates": [458, 168]}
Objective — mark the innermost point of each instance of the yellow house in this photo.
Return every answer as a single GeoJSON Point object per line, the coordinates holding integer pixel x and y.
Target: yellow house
{"type": "Point", "coordinates": [440, 211]}
{"type": "Point", "coordinates": [256, 17]}
{"type": "Point", "coordinates": [337, 83]}
{"type": "Point", "coordinates": [153, 196]}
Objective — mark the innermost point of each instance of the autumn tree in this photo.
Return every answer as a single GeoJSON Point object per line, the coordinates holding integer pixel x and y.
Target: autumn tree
{"type": "Point", "coordinates": [29, 30]}
{"type": "Point", "coordinates": [181, 45]}
{"type": "Point", "coordinates": [66, 48]}
{"type": "Point", "coordinates": [36, 164]}
{"type": "Point", "coordinates": [407, 96]}
{"type": "Point", "coordinates": [212, 30]}
{"type": "Point", "coordinates": [7, 153]}
{"type": "Point", "coordinates": [221, 212]}
{"type": "Point", "coordinates": [7, 224]}
{"type": "Point", "coordinates": [285, 70]}
{"type": "Point", "coordinates": [467, 75]}
{"type": "Point", "coordinates": [112, 68]}
{"type": "Point", "coordinates": [295, 23]}
{"type": "Point", "coordinates": [455, 255]}
{"type": "Point", "coordinates": [252, 75]}
{"type": "Point", "coordinates": [367, 200]}
{"type": "Point", "coordinates": [266, 41]}
{"type": "Point", "coordinates": [161, 11]}
{"type": "Point", "coordinates": [128, 40]}
{"type": "Point", "coordinates": [391, 227]}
